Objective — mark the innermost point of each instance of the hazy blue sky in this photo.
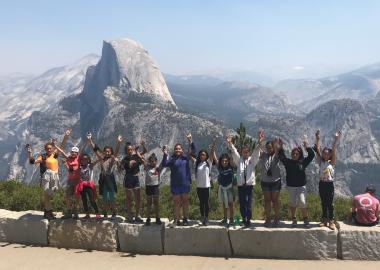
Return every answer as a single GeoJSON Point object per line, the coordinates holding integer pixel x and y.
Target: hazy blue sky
{"type": "Point", "coordinates": [277, 38]}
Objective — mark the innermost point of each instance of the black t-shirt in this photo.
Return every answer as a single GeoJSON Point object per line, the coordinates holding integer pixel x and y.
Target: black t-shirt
{"type": "Point", "coordinates": [295, 169]}
{"type": "Point", "coordinates": [135, 168]}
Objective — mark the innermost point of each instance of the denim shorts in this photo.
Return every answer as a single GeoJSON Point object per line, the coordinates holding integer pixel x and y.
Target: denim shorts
{"type": "Point", "coordinates": [271, 186]}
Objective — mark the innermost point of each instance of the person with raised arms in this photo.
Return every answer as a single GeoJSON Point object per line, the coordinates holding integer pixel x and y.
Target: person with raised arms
{"type": "Point", "coordinates": [202, 168]}
{"type": "Point", "coordinates": [270, 177]}
{"type": "Point", "coordinates": [49, 178]}
{"type": "Point", "coordinates": [180, 182]}
{"type": "Point", "coordinates": [72, 163]}
{"type": "Point", "coordinates": [296, 178]}
{"type": "Point", "coordinates": [327, 162]}
{"type": "Point", "coordinates": [107, 181]}
{"type": "Point", "coordinates": [153, 173]}
{"type": "Point", "coordinates": [131, 163]}
{"type": "Point", "coordinates": [226, 184]}
{"type": "Point", "coordinates": [246, 177]}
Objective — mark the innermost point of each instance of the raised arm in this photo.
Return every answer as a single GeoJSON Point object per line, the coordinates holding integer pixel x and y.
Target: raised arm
{"type": "Point", "coordinates": [166, 160]}
{"type": "Point", "coordinates": [212, 155]}
{"type": "Point", "coordinates": [191, 147]}
{"type": "Point", "coordinates": [65, 138]}
{"type": "Point", "coordinates": [94, 147]}
{"type": "Point", "coordinates": [32, 160]}
{"type": "Point", "coordinates": [317, 146]}
{"type": "Point", "coordinates": [336, 139]}
{"type": "Point", "coordinates": [256, 151]}
{"type": "Point", "coordinates": [234, 152]}
{"type": "Point", "coordinates": [119, 140]}
{"type": "Point", "coordinates": [310, 153]}
{"type": "Point", "coordinates": [145, 149]}
{"type": "Point", "coordinates": [281, 153]}
{"type": "Point", "coordinates": [60, 150]}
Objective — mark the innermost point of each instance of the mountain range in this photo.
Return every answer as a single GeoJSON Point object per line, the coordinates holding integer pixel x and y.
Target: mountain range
{"type": "Point", "coordinates": [123, 91]}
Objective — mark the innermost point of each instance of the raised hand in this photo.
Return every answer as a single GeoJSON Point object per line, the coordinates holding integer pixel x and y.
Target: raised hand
{"type": "Point", "coordinates": [337, 135]}
{"type": "Point", "coordinates": [165, 149]}
{"type": "Point", "coordinates": [318, 135]}
{"type": "Point", "coordinates": [229, 139]}
{"type": "Point", "coordinates": [142, 142]}
{"type": "Point", "coordinates": [28, 148]}
{"type": "Point", "coordinates": [189, 138]}
{"type": "Point", "coordinates": [68, 132]}
{"type": "Point", "coordinates": [119, 138]}
{"type": "Point", "coordinates": [261, 136]}
{"type": "Point", "coordinates": [89, 135]}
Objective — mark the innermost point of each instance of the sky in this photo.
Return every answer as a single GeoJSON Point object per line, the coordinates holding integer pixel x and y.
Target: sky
{"type": "Point", "coordinates": [280, 39]}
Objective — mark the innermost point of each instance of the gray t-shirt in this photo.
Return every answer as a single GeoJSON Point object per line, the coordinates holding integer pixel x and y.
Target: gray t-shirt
{"type": "Point", "coordinates": [269, 168]}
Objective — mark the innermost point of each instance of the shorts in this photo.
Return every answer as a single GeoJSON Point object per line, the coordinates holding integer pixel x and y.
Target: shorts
{"type": "Point", "coordinates": [271, 186]}
{"type": "Point", "coordinates": [297, 196]}
{"type": "Point", "coordinates": [226, 195]}
{"type": "Point", "coordinates": [108, 195]}
{"type": "Point", "coordinates": [131, 181]}
{"type": "Point", "coordinates": [180, 190]}
{"type": "Point", "coordinates": [152, 190]}
{"type": "Point", "coordinates": [50, 181]}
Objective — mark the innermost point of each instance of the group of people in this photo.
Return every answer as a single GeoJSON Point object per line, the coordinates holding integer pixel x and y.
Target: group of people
{"type": "Point", "coordinates": [235, 168]}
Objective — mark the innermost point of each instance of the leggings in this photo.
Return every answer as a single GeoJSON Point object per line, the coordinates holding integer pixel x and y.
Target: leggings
{"type": "Point", "coordinates": [245, 201]}
{"type": "Point", "coordinates": [203, 195]}
{"type": "Point", "coordinates": [87, 192]}
{"type": "Point", "coordinates": [326, 192]}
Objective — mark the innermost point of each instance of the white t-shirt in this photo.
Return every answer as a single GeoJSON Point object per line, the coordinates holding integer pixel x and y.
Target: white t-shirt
{"type": "Point", "coordinates": [203, 174]}
{"type": "Point", "coordinates": [326, 171]}
{"type": "Point", "coordinates": [152, 176]}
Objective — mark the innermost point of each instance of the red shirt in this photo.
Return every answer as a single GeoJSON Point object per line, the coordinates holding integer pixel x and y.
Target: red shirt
{"type": "Point", "coordinates": [367, 208]}
{"type": "Point", "coordinates": [74, 169]}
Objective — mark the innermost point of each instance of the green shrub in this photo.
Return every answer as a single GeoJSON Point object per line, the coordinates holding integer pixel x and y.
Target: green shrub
{"type": "Point", "coordinates": [18, 196]}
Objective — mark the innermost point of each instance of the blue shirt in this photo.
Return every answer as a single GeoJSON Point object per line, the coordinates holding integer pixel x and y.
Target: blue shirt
{"type": "Point", "coordinates": [180, 170]}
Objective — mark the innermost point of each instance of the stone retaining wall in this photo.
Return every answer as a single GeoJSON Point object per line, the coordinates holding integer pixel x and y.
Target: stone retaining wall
{"type": "Point", "coordinates": [350, 243]}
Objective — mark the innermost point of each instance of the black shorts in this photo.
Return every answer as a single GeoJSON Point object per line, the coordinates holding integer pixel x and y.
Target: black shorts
{"type": "Point", "coordinates": [271, 186]}
{"type": "Point", "coordinates": [152, 190]}
{"type": "Point", "coordinates": [131, 181]}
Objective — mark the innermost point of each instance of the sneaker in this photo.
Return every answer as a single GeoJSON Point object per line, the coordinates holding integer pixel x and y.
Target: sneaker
{"type": "Point", "coordinates": [247, 223]}
{"type": "Point", "coordinates": [306, 222]}
{"type": "Point", "coordinates": [267, 223]}
{"type": "Point", "coordinates": [323, 223]}
{"type": "Point", "coordinates": [113, 217]}
{"type": "Point", "coordinates": [205, 221]}
{"type": "Point", "coordinates": [178, 223]}
{"type": "Point", "coordinates": [232, 222]}
{"type": "Point", "coordinates": [223, 221]}
{"type": "Point", "coordinates": [87, 216]}
{"type": "Point", "coordinates": [49, 215]}
{"type": "Point", "coordinates": [129, 219]}
{"type": "Point", "coordinates": [332, 225]}
{"type": "Point", "coordinates": [147, 222]}
{"type": "Point", "coordinates": [276, 223]}
{"type": "Point", "coordinates": [98, 216]}
{"type": "Point", "coordinates": [67, 216]}
{"type": "Point", "coordinates": [185, 222]}
{"type": "Point", "coordinates": [158, 221]}
{"type": "Point", "coordinates": [139, 219]}
{"type": "Point", "coordinates": [173, 224]}
{"type": "Point", "coordinates": [105, 216]}
{"type": "Point", "coordinates": [294, 222]}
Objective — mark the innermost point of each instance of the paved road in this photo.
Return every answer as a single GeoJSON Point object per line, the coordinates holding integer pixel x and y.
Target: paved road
{"type": "Point", "coordinates": [15, 256]}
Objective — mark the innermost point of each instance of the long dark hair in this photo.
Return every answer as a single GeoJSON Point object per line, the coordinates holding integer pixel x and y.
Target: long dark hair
{"type": "Point", "coordinates": [300, 151]}
{"type": "Point", "coordinates": [326, 149]}
{"type": "Point", "coordinates": [177, 144]}
{"type": "Point", "coordinates": [224, 156]}
{"type": "Point", "coordinates": [198, 160]}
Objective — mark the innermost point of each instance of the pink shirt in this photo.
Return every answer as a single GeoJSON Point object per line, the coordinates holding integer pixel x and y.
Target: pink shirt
{"type": "Point", "coordinates": [367, 208]}
{"type": "Point", "coordinates": [74, 169]}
